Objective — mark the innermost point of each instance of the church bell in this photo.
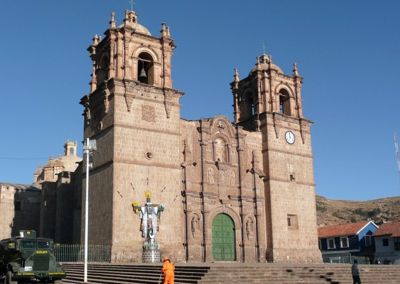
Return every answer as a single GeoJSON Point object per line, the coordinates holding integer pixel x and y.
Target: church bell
{"type": "Point", "coordinates": [143, 74]}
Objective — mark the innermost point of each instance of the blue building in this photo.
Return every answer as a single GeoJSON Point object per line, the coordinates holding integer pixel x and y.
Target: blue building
{"type": "Point", "coordinates": [387, 243]}
{"type": "Point", "coordinates": [340, 243]}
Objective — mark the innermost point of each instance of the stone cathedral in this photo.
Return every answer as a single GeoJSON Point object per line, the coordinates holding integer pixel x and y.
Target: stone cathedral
{"type": "Point", "coordinates": [234, 191]}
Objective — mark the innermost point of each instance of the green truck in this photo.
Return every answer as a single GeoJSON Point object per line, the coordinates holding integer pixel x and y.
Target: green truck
{"type": "Point", "coordinates": [27, 258]}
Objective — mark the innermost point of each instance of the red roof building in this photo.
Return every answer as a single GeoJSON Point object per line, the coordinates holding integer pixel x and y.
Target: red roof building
{"type": "Point", "coordinates": [348, 229]}
{"type": "Point", "coordinates": [388, 229]}
{"type": "Point", "coordinates": [341, 243]}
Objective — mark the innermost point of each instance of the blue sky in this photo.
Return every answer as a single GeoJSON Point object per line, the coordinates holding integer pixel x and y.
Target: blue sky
{"type": "Point", "coordinates": [348, 53]}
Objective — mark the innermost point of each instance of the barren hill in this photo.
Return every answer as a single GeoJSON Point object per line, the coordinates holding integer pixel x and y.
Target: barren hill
{"type": "Point", "coordinates": [331, 212]}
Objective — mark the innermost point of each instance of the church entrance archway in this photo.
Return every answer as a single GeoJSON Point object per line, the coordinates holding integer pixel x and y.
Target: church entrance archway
{"type": "Point", "coordinates": [223, 238]}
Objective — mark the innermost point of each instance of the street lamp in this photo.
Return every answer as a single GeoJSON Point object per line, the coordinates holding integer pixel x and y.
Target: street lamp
{"type": "Point", "coordinates": [88, 148]}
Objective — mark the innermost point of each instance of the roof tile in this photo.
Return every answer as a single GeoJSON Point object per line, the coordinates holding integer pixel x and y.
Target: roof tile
{"type": "Point", "coordinates": [341, 229]}
{"type": "Point", "coordinates": [388, 229]}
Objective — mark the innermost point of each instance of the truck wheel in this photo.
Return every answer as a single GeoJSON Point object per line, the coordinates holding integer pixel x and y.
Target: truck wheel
{"type": "Point", "coordinates": [9, 278]}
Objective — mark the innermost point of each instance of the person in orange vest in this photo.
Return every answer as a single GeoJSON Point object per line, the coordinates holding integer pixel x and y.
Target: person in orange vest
{"type": "Point", "coordinates": [168, 269]}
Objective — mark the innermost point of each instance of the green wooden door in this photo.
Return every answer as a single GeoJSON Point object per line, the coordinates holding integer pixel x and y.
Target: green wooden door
{"type": "Point", "coordinates": [223, 238]}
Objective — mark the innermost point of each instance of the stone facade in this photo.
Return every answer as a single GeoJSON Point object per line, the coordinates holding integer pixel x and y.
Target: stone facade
{"type": "Point", "coordinates": [257, 171]}
{"type": "Point", "coordinates": [19, 207]}
{"type": "Point", "coordinates": [51, 205]}
{"type": "Point", "coordinates": [60, 184]}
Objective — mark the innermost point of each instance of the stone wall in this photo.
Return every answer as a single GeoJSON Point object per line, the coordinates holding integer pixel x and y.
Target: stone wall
{"type": "Point", "coordinates": [289, 183]}
{"type": "Point", "coordinates": [20, 209]}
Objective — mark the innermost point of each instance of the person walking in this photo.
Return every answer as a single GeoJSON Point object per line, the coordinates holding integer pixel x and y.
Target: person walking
{"type": "Point", "coordinates": [169, 271]}
{"type": "Point", "coordinates": [354, 272]}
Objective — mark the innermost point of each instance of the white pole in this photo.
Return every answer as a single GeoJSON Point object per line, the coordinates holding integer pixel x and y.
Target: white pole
{"type": "Point", "coordinates": [86, 209]}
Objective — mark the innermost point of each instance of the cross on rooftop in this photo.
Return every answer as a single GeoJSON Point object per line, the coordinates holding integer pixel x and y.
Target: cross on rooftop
{"type": "Point", "coordinates": [132, 2]}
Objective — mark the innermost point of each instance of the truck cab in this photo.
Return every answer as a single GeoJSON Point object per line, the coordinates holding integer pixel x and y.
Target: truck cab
{"type": "Point", "coordinates": [26, 258]}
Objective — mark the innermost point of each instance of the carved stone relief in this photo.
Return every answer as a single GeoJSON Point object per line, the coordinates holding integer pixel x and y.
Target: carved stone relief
{"type": "Point", "coordinates": [195, 225]}
{"type": "Point", "coordinates": [220, 150]}
{"type": "Point", "coordinates": [221, 125]}
{"type": "Point", "coordinates": [211, 175]}
{"type": "Point", "coordinates": [148, 113]}
{"type": "Point", "coordinates": [249, 227]}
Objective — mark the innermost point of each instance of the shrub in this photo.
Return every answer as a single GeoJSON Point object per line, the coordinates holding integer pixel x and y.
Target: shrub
{"type": "Point", "coordinates": [321, 208]}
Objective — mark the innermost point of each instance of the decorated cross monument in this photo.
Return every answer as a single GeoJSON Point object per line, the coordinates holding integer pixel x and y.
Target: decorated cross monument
{"type": "Point", "coordinates": [149, 215]}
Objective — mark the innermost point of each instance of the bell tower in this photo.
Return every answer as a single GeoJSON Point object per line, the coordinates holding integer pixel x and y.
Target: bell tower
{"type": "Point", "coordinates": [270, 102]}
{"type": "Point", "coordinates": [133, 112]}
{"type": "Point", "coordinates": [266, 89]}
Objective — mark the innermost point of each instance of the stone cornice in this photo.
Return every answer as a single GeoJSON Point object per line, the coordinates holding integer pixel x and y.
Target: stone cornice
{"type": "Point", "coordinates": [286, 152]}
{"type": "Point", "coordinates": [268, 179]}
{"type": "Point", "coordinates": [109, 163]}
{"type": "Point", "coordinates": [121, 125]}
{"type": "Point", "coordinates": [112, 82]}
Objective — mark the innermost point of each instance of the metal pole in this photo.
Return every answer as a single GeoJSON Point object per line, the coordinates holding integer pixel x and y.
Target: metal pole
{"type": "Point", "coordinates": [86, 151]}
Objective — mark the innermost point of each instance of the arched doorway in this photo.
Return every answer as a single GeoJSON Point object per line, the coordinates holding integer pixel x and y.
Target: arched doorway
{"type": "Point", "coordinates": [223, 238]}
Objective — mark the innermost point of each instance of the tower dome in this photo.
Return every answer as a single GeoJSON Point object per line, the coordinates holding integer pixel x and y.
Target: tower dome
{"type": "Point", "coordinates": [264, 62]}
{"type": "Point", "coordinates": [131, 21]}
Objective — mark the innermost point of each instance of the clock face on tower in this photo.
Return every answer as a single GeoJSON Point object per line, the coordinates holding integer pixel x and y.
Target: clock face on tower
{"type": "Point", "coordinates": [289, 136]}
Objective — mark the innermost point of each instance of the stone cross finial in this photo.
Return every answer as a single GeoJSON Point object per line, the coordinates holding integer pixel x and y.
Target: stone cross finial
{"type": "Point", "coordinates": [165, 30]}
{"type": "Point", "coordinates": [258, 61]}
{"type": "Point", "coordinates": [132, 2]}
{"type": "Point", "coordinates": [112, 21]}
{"type": "Point", "coordinates": [96, 40]}
{"type": "Point", "coordinates": [295, 70]}
{"type": "Point", "coordinates": [236, 79]}
{"type": "Point", "coordinates": [236, 76]}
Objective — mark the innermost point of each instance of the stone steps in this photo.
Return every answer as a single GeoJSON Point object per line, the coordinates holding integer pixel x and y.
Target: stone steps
{"type": "Point", "coordinates": [114, 273]}
{"type": "Point", "coordinates": [324, 273]}
{"type": "Point", "coordinates": [233, 273]}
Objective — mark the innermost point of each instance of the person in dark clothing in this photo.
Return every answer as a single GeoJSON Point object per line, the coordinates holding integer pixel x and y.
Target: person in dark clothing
{"type": "Point", "coordinates": [355, 273]}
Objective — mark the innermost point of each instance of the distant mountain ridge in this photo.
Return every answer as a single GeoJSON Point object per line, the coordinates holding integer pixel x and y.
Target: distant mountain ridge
{"type": "Point", "coordinates": [330, 212]}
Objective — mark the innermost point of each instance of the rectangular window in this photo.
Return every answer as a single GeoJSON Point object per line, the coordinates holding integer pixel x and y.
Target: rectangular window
{"type": "Point", "coordinates": [344, 242]}
{"type": "Point", "coordinates": [331, 243]}
{"type": "Point", "coordinates": [292, 221]}
{"type": "Point", "coordinates": [368, 241]}
{"type": "Point", "coordinates": [397, 243]}
{"type": "Point", "coordinates": [385, 242]}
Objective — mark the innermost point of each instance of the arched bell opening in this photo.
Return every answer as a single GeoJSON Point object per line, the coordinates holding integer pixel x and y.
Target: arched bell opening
{"type": "Point", "coordinates": [248, 107]}
{"type": "Point", "coordinates": [102, 70]}
{"type": "Point", "coordinates": [145, 71]}
{"type": "Point", "coordinates": [284, 102]}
